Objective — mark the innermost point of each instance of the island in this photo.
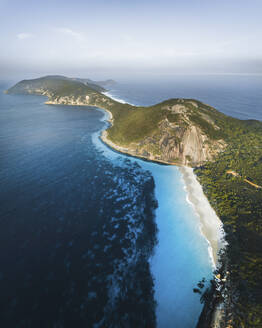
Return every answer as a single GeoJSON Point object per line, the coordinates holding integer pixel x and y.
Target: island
{"type": "Point", "coordinates": [226, 154]}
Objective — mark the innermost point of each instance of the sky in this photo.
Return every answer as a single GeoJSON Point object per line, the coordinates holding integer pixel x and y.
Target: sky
{"type": "Point", "coordinates": [110, 38]}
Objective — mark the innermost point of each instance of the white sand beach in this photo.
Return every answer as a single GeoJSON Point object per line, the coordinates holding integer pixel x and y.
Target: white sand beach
{"type": "Point", "coordinates": [210, 224]}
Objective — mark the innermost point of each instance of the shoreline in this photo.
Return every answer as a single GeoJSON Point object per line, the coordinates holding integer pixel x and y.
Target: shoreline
{"type": "Point", "coordinates": [200, 202]}
{"type": "Point", "coordinates": [211, 227]}
{"type": "Point", "coordinates": [108, 94]}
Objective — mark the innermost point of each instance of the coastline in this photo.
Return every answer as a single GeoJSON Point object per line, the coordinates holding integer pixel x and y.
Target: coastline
{"type": "Point", "coordinates": [108, 94]}
{"type": "Point", "coordinates": [227, 196]}
{"type": "Point", "coordinates": [210, 231]}
{"type": "Point", "coordinates": [169, 230]}
{"type": "Point", "coordinates": [211, 226]}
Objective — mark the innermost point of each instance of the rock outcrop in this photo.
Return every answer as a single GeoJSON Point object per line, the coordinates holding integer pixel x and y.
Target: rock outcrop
{"type": "Point", "coordinates": [182, 142]}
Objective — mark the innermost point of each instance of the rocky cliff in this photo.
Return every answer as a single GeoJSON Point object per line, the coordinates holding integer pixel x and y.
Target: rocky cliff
{"type": "Point", "coordinates": [176, 137]}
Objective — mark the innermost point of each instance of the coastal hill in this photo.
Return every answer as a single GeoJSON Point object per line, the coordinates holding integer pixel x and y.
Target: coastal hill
{"type": "Point", "coordinates": [188, 132]}
{"type": "Point", "coordinates": [177, 131]}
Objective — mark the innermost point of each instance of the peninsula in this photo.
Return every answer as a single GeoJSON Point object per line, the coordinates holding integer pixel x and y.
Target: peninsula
{"type": "Point", "coordinates": [176, 131]}
{"type": "Point", "coordinates": [187, 132]}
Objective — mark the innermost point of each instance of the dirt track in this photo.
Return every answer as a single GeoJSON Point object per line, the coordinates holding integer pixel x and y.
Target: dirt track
{"type": "Point", "coordinates": [247, 181]}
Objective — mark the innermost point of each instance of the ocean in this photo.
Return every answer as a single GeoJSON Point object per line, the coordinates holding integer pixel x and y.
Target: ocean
{"type": "Point", "coordinates": [93, 238]}
{"type": "Point", "coordinates": [239, 96]}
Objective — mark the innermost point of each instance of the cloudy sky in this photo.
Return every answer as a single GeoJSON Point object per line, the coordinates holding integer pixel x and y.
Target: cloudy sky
{"type": "Point", "coordinates": [107, 38]}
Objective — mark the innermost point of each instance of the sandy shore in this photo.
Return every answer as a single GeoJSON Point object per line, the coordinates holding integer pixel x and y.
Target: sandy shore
{"type": "Point", "coordinates": [211, 226]}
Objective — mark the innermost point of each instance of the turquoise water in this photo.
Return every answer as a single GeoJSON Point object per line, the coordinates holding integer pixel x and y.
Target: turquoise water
{"type": "Point", "coordinates": [181, 257]}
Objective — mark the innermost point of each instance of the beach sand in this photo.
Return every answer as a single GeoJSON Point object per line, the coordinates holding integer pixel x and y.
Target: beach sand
{"type": "Point", "coordinates": [210, 224]}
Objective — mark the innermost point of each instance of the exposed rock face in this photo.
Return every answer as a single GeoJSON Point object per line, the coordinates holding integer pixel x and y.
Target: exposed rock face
{"type": "Point", "coordinates": [179, 143]}
{"type": "Point", "coordinates": [85, 100]}
{"type": "Point", "coordinates": [67, 100]}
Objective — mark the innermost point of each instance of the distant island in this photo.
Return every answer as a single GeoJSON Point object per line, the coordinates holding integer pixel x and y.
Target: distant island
{"type": "Point", "coordinates": [187, 132]}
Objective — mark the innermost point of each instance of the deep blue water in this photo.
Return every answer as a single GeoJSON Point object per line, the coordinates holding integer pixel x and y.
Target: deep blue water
{"type": "Point", "coordinates": [235, 95]}
{"type": "Point", "coordinates": [77, 229]}
{"type": "Point", "coordinates": [78, 221]}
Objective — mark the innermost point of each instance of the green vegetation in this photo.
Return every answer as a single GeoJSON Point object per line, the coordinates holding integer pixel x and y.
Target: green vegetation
{"type": "Point", "coordinates": [57, 84]}
{"type": "Point", "coordinates": [173, 118]}
{"type": "Point", "coordinates": [135, 125]}
{"type": "Point", "coordinates": [140, 122]}
{"type": "Point", "coordinates": [207, 127]}
{"type": "Point", "coordinates": [239, 206]}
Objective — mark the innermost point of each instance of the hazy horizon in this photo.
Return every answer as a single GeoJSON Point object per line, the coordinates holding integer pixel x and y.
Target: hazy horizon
{"type": "Point", "coordinates": [114, 39]}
